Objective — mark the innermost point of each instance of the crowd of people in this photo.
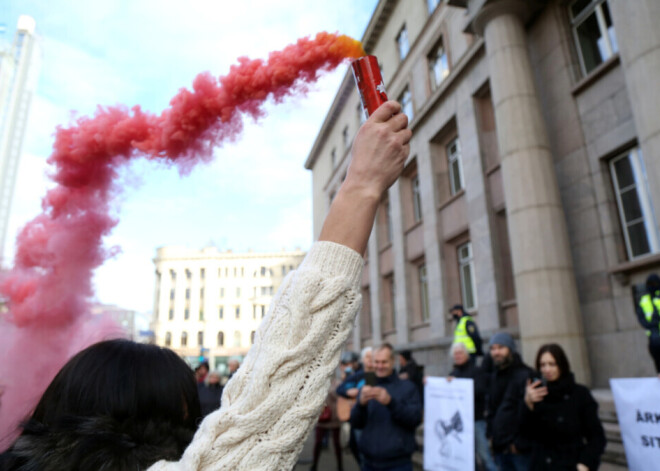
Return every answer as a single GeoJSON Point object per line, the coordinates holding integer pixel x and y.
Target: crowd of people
{"type": "Point", "coordinates": [525, 418]}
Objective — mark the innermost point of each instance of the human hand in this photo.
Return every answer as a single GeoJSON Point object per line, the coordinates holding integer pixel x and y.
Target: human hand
{"type": "Point", "coordinates": [380, 150]}
{"type": "Point", "coordinates": [534, 393]}
{"type": "Point", "coordinates": [581, 467]}
{"type": "Point", "coordinates": [403, 375]}
{"type": "Point", "coordinates": [381, 395]}
{"type": "Point", "coordinates": [352, 392]}
{"type": "Point", "coordinates": [366, 394]}
{"type": "Point", "coordinates": [449, 378]}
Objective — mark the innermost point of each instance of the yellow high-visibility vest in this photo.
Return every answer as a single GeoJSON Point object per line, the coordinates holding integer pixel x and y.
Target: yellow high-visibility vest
{"type": "Point", "coordinates": [461, 335]}
{"type": "Point", "coordinates": [646, 303]}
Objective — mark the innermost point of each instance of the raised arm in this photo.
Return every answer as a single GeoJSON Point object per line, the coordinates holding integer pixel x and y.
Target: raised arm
{"type": "Point", "coordinates": [274, 400]}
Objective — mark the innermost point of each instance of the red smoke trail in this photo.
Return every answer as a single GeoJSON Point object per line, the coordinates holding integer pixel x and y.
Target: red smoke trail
{"type": "Point", "coordinates": [57, 251]}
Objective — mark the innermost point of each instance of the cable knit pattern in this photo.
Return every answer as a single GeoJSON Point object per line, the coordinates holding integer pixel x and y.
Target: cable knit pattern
{"type": "Point", "coordinates": [273, 401]}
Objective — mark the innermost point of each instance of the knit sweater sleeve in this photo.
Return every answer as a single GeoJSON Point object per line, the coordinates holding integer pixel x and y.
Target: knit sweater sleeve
{"type": "Point", "coordinates": [275, 398]}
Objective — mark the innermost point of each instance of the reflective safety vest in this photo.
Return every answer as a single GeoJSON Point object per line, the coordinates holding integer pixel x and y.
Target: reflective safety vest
{"type": "Point", "coordinates": [646, 303]}
{"type": "Point", "coordinates": [461, 335]}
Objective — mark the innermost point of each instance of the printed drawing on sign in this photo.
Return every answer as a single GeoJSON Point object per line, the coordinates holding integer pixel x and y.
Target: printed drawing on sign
{"type": "Point", "coordinates": [445, 430]}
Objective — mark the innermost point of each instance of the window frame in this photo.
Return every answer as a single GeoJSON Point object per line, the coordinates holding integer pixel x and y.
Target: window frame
{"type": "Point", "coordinates": [406, 100]}
{"type": "Point", "coordinates": [643, 197]}
{"type": "Point", "coordinates": [403, 42]}
{"type": "Point", "coordinates": [422, 278]}
{"type": "Point", "coordinates": [433, 60]}
{"type": "Point", "coordinates": [467, 262]}
{"type": "Point", "coordinates": [594, 7]}
{"type": "Point", "coordinates": [454, 157]}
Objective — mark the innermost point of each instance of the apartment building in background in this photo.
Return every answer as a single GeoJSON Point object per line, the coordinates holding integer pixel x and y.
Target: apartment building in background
{"type": "Point", "coordinates": [532, 190]}
{"type": "Point", "coordinates": [210, 303]}
{"type": "Point", "coordinates": [19, 68]}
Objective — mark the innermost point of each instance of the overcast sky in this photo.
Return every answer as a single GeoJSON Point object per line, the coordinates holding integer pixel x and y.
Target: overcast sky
{"type": "Point", "coordinates": [255, 195]}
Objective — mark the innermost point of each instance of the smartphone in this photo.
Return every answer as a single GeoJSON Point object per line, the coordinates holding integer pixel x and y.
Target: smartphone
{"type": "Point", "coordinates": [544, 382]}
{"type": "Point", "coordinates": [370, 378]}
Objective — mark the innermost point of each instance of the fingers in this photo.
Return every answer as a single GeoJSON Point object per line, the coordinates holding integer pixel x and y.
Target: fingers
{"type": "Point", "coordinates": [385, 111]}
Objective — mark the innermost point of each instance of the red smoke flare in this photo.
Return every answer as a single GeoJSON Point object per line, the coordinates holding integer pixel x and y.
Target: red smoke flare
{"type": "Point", "coordinates": [57, 251]}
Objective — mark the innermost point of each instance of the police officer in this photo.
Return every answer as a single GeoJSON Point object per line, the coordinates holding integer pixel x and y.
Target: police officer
{"type": "Point", "coordinates": [466, 331]}
{"type": "Point", "coordinates": [648, 314]}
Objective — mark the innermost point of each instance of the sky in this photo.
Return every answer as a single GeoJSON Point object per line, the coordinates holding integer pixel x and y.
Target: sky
{"type": "Point", "coordinates": [256, 193]}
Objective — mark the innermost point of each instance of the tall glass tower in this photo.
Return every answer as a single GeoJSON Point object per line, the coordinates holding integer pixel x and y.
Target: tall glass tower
{"type": "Point", "coordinates": [18, 80]}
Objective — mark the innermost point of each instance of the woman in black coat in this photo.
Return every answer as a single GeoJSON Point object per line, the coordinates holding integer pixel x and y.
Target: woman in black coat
{"type": "Point", "coordinates": [560, 417]}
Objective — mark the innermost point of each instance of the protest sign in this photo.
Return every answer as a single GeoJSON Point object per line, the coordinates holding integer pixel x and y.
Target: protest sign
{"type": "Point", "coordinates": [448, 425]}
{"type": "Point", "coordinates": [638, 409]}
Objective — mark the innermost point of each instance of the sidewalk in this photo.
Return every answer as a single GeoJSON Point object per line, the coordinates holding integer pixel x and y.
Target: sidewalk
{"type": "Point", "coordinates": [327, 461]}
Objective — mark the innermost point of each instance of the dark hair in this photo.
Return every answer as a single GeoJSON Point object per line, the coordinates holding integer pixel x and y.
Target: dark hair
{"type": "Point", "coordinates": [652, 283]}
{"type": "Point", "coordinates": [406, 354]}
{"type": "Point", "coordinates": [115, 405]}
{"type": "Point", "coordinates": [558, 354]}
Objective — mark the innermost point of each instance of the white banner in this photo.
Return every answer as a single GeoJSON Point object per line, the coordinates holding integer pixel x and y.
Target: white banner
{"type": "Point", "coordinates": [637, 403]}
{"type": "Point", "coordinates": [448, 425]}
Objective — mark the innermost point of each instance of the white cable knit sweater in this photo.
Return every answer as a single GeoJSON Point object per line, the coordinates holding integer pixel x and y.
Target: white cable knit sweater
{"type": "Point", "coordinates": [275, 398]}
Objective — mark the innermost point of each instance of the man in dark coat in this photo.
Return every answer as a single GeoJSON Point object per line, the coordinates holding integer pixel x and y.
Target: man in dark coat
{"type": "Point", "coordinates": [388, 413]}
{"type": "Point", "coordinates": [506, 392]}
{"type": "Point", "coordinates": [648, 314]}
{"type": "Point", "coordinates": [410, 370]}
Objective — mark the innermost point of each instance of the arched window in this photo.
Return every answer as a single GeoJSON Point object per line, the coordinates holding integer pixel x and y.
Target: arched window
{"type": "Point", "coordinates": [184, 339]}
{"type": "Point", "coordinates": [237, 339]}
{"type": "Point", "coordinates": [221, 339]}
{"type": "Point", "coordinates": [168, 339]}
{"type": "Point", "coordinates": [252, 335]}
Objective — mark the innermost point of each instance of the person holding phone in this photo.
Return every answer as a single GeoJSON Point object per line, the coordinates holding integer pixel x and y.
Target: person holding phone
{"type": "Point", "coordinates": [561, 417]}
{"type": "Point", "coordinates": [388, 411]}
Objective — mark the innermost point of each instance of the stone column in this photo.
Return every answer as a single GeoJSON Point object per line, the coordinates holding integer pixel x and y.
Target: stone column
{"type": "Point", "coordinates": [638, 37]}
{"type": "Point", "coordinates": [548, 305]}
{"type": "Point", "coordinates": [374, 285]}
{"type": "Point", "coordinates": [401, 278]}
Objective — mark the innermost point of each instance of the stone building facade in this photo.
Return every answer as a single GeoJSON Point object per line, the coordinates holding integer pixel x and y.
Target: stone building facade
{"type": "Point", "coordinates": [532, 191]}
{"type": "Point", "coordinates": [210, 303]}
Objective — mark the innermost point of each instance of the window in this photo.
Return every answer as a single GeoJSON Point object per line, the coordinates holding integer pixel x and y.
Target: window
{"type": "Point", "coordinates": [200, 339]}
{"type": "Point", "coordinates": [455, 166]}
{"type": "Point", "coordinates": [172, 294]}
{"type": "Point", "coordinates": [254, 311]}
{"type": "Point", "coordinates": [235, 272]}
{"type": "Point", "coordinates": [168, 339]}
{"type": "Point", "coordinates": [221, 339]}
{"type": "Point", "coordinates": [344, 137]}
{"type": "Point", "coordinates": [634, 203]}
{"type": "Point", "coordinates": [263, 271]}
{"type": "Point", "coordinates": [172, 275]}
{"type": "Point", "coordinates": [187, 293]}
{"type": "Point", "coordinates": [264, 290]}
{"type": "Point", "coordinates": [424, 292]}
{"type": "Point", "coordinates": [594, 32]}
{"type": "Point", "coordinates": [186, 314]}
{"type": "Point", "coordinates": [466, 275]}
{"type": "Point", "coordinates": [201, 314]}
{"type": "Point", "coordinates": [283, 270]}
{"type": "Point", "coordinates": [219, 272]}
{"type": "Point", "coordinates": [402, 43]}
{"type": "Point", "coordinates": [238, 312]}
{"type": "Point", "coordinates": [333, 158]}
{"type": "Point", "coordinates": [202, 273]}
{"type": "Point", "coordinates": [222, 292]}
{"type": "Point", "coordinates": [438, 65]}
{"type": "Point", "coordinates": [171, 314]}
{"type": "Point", "coordinates": [237, 339]}
{"type": "Point", "coordinates": [242, 271]}
{"type": "Point", "coordinates": [238, 292]}
{"type": "Point", "coordinates": [188, 274]}
{"type": "Point", "coordinates": [432, 4]}
{"type": "Point", "coordinates": [221, 312]}
{"type": "Point", "coordinates": [252, 335]}
{"type": "Point", "coordinates": [263, 311]}
{"type": "Point", "coordinates": [184, 339]}
{"type": "Point", "coordinates": [417, 198]}
{"type": "Point", "coordinates": [201, 294]}
{"type": "Point", "coordinates": [406, 103]}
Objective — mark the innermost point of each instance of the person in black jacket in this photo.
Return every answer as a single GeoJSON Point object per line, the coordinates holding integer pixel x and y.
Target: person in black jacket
{"type": "Point", "coordinates": [648, 314]}
{"type": "Point", "coordinates": [410, 370]}
{"type": "Point", "coordinates": [506, 391]}
{"type": "Point", "coordinates": [464, 368]}
{"type": "Point", "coordinates": [561, 418]}
{"type": "Point", "coordinates": [388, 415]}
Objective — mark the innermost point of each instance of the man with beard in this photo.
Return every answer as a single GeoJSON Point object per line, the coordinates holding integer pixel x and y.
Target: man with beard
{"type": "Point", "coordinates": [507, 387]}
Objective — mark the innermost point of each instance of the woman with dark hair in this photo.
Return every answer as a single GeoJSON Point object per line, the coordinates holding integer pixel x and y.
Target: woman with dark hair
{"type": "Point", "coordinates": [560, 417]}
{"type": "Point", "coordinates": [115, 406]}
